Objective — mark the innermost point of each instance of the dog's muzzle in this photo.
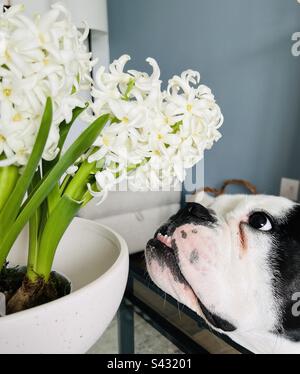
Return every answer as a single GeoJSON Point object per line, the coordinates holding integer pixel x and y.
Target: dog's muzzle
{"type": "Point", "coordinates": [163, 249]}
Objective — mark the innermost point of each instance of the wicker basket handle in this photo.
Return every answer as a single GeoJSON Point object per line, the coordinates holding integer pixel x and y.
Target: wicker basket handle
{"type": "Point", "coordinates": [239, 182]}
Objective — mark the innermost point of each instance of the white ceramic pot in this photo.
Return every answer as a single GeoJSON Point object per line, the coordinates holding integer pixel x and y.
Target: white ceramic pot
{"type": "Point", "coordinates": [95, 259]}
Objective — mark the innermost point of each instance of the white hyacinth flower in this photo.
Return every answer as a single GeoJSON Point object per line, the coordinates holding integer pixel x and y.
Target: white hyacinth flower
{"type": "Point", "coordinates": [154, 135]}
{"type": "Point", "coordinates": [42, 56]}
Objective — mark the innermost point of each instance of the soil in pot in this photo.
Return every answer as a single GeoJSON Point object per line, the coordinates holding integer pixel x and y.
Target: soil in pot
{"type": "Point", "coordinates": [23, 294]}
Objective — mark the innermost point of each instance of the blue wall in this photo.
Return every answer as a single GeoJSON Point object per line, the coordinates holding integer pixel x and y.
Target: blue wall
{"type": "Point", "coordinates": [242, 49]}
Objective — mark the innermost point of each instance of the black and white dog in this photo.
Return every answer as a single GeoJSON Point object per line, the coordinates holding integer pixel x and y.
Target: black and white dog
{"type": "Point", "coordinates": [235, 262]}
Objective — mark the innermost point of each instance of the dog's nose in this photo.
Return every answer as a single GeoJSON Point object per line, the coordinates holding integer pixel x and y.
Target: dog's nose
{"type": "Point", "coordinates": [191, 213]}
{"type": "Point", "coordinates": [198, 211]}
{"type": "Point", "coordinates": [194, 212]}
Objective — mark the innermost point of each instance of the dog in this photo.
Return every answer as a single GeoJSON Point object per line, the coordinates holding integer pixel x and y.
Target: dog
{"type": "Point", "coordinates": [235, 261]}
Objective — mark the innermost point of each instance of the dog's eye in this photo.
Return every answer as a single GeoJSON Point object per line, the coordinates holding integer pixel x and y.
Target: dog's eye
{"type": "Point", "coordinates": [260, 221]}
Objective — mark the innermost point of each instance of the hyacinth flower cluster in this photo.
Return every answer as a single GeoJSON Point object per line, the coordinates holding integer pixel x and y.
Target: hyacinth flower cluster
{"type": "Point", "coordinates": [136, 132]}
{"type": "Point", "coordinates": [39, 58]}
{"type": "Point", "coordinates": [153, 136]}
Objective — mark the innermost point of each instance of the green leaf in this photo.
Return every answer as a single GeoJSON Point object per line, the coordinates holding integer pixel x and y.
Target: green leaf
{"type": "Point", "coordinates": [11, 208]}
{"type": "Point", "coordinates": [57, 223]}
{"type": "Point", "coordinates": [80, 146]}
{"type": "Point", "coordinates": [8, 179]}
{"type": "Point", "coordinates": [77, 188]}
{"type": "Point", "coordinates": [64, 129]}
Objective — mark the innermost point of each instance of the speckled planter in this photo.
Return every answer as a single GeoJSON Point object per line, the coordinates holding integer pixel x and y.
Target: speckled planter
{"type": "Point", "coordinates": [95, 259]}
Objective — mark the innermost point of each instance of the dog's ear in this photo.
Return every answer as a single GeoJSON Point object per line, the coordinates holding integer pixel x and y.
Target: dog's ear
{"type": "Point", "coordinates": [202, 198]}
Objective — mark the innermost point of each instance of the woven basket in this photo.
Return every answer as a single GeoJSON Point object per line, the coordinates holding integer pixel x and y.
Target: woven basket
{"type": "Point", "coordinates": [237, 182]}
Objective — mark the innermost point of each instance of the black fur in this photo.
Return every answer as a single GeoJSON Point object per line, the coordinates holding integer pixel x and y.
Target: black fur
{"type": "Point", "coordinates": [215, 320]}
{"type": "Point", "coordinates": [165, 257]}
{"type": "Point", "coordinates": [285, 260]}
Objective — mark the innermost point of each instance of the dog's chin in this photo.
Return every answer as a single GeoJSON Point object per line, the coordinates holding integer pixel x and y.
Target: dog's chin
{"type": "Point", "coordinates": [163, 268]}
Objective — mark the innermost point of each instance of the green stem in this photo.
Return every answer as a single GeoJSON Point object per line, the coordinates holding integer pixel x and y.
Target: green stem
{"type": "Point", "coordinates": [9, 176]}
{"type": "Point", "coordinates": [77, 187]}
{"type": "Point", "coordinates": [129, 88]}
{"type": "Point", "coordinates": [64, 184]}
{"type": "Point", "coordinates": [33, 247]}
{"type": "Point", "coordinates": [87, 196]}
{"type": "Point", "coordinates": [59, 219]}
{"type": "Point", "coordinates": [57, 223]}
{"type": "Point", "coordinates": [34, 223]}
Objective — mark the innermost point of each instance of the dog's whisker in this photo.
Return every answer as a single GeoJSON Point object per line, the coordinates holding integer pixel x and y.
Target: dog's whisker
{"type": "Point", "coordinates": [179, 312]}
{"type": "Point", "coordinates": [164, 299]}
